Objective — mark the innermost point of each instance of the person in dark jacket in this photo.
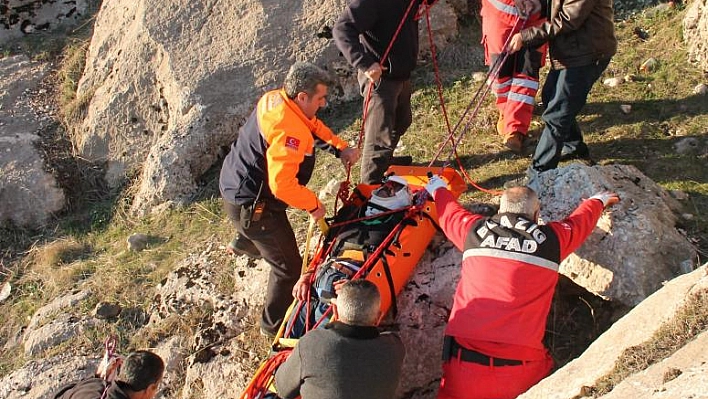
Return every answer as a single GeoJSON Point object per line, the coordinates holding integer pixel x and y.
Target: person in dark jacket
{"type": "Point", "coordinates": [581, 41]}
{"type": "Point", "coordinates": [349, 358]}
{"type": "Point", "coordinates": [493, 344]}
{"type": "Point", "coordinates": [267, 170]}
{"type": "Point", "coordinates": [139, 378]}
{"type": "Point", "coordinates": [363, 33]}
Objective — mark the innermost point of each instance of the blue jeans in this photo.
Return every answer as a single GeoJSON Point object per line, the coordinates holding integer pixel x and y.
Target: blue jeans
{"type": "Point", "coordinates": [565, 94]}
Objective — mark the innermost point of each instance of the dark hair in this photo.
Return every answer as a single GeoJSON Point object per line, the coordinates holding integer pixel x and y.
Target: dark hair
{"type": "Point", "coordinates": [304, 77]}
{"type": "Point", "coordinates": [140, 369]}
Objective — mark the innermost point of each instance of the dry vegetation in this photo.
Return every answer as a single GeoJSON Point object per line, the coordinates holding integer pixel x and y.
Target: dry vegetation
{"type": "Point", "coordinates": [87, 246]}
{"type": "Point", "coordinates": [690, 320]}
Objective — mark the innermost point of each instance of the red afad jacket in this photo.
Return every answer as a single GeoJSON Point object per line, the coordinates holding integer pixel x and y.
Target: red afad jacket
{"type": "Point", "coordinates": [508, 275]}
{"type": "Point", "coordinates": [500, 19]}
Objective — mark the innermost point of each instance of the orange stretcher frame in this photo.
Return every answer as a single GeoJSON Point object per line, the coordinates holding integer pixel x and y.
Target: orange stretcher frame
{"type": "Point", "coordinates": [401, 259]}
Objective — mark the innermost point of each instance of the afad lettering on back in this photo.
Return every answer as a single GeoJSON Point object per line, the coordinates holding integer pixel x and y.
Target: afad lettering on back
{"type": "Point", "coordinates": [491, 240]}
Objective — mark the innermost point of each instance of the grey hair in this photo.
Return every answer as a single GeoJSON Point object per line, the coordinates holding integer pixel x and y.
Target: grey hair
{"type": "Point", "coordinates": [304, 77]}
{"type": "Point", "coordinates": [520, 200]}
{"type": "Point", "coordinates": [358, 303]}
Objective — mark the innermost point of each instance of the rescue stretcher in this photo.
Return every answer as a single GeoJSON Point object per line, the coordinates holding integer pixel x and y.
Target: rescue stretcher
{"type": "Point", "coordinates": [389, 264]}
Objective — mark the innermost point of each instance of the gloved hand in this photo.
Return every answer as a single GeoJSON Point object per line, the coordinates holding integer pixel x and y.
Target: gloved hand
{"type": "Point", "coordinates": [434, 183]}
{"type": "Point", "coordinates": [608, 198]}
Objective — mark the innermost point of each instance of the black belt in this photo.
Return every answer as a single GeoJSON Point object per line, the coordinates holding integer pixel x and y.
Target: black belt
{"type": "Point", "coordinates": [472, 356]}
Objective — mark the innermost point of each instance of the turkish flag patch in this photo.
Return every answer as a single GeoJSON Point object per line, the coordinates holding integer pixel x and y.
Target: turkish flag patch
{"type": "Point", "coordinates": [292, 142]}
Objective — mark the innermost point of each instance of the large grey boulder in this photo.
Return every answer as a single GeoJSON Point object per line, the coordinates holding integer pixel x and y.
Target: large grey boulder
{"type": "Point", "coordinates": [29, 193]}
{"type": "Point", "coordinates": [40, 379]}
{"type": "Point", "coordinates": [54, 333]}
{"type": "Point", "coordinates": [635, 246]}
{"type": "Point", "coordinates": [424, 307]}
{"type": "Point", "coordinates": [54, 323]}
{"type": "Point", "coordinates": [24, 17]}
{"type": "Point", "coordinates": [695, 32]}
{"type": "Point", "coordinates": [195, 284]}
{"type": "Point", "coordinates": [636, 328]}
{"type": "Point", "coordinates": [58, 305]}
{"type": "Point", "coordinates": [170, 85]}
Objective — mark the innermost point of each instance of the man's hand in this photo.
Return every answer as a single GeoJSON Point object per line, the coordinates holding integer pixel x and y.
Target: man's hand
{"type": "Point", "coordinates": [349, 156]}
{"type": "Point", "coordinates": [515, 43]}
{"type": "Point", "coordinates": [435, 183]}
{"type": "Point", "coordinates": [527, 7]}
{"type": "Point", "coordinates": [374, 72]}
{"type": "Point", "coordinates": [300, 288]}
{"type": "Point", "coordinates": [318, 213]}
{"type": "Point", "coordinates": [608, 198]}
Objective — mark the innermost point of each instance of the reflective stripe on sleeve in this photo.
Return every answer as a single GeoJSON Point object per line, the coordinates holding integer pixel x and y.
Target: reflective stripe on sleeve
{"type": "Point", "coordinates": [505, 8]}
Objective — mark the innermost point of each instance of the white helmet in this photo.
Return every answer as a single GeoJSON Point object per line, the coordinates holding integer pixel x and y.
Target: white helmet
{"type": "Point", "coordinates": [393, 194]}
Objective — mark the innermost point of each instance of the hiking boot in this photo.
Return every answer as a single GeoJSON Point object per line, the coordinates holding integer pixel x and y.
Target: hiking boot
{"type": "Point", "coordinates": [403, 160]}
{"type": "Point", "coordinates": [515, 142]}
{"type": "Point", "coordinates": [241, 246]}
{"type": "Point", "coordinates": [580, 152]}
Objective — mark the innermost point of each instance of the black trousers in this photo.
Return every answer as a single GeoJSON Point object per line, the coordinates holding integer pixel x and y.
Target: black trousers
{"type": "Point", "coordinates": [387, 119]}
{"type": "Point", "coordinates": [565, 94]}
{"type": "Point", "coordinates": [275, 240]}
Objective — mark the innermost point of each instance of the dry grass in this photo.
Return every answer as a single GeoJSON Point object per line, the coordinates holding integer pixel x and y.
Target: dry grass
{"type": "Point", "coordinates": [690, 320]}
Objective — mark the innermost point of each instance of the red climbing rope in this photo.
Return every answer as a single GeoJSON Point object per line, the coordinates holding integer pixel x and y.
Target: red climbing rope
{"type": "Point", "coordinates": [258, 387]}
{"type": "Point", "coordinates": [343, 192]}
{"type": "Point", "coordinates": [477, 101]}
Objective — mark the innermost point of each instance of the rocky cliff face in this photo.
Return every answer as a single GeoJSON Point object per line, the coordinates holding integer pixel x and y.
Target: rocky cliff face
{"type": "Point", "coordinates": [24, 17]}
{"type": "Point", "coordinates": [695, 32]}
{"type": "Point", "coordinates": [218, 360]}
{"type": "Point", "coordinates": [171, 84]}
{"type": "Point", "coordinates": [29, 192]}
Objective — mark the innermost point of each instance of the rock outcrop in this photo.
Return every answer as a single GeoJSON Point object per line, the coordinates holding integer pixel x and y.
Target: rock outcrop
{"type": "Point", "coordinates": [29, 193]}
{"type": "Point", "coordinates": [24, 17]}
{"type": "Point", "coordinates": [617, 262]}
{"type": "Point", "coordinates": [40, 379]}
{"type": "Point", "coordinates": [695, 32]}
{"type": "Point", "coordinates": [170, 85]}
{"type": "Point", "coordinates": [636, 328]}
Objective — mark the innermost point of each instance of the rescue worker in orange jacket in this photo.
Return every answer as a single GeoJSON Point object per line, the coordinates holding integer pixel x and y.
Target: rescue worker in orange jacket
{"type": "Point", "coordinates": [516, 84]}
{"type": "Point", "coordinates": [494, 337]}
{"type": "Point", "coordinates": [267, 170]}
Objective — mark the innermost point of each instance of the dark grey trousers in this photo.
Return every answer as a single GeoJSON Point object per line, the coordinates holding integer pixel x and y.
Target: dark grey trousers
{"type": "Point", "coordinates": [275, 240]}
{"type": "Point", "coordinates": [387, 119]}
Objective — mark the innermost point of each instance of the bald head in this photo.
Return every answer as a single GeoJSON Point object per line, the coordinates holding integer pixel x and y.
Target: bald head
{"type": "Point", "coordinates": [520, 200]}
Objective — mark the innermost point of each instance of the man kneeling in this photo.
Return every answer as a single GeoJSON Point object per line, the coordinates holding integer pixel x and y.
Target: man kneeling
{"type": "Point", "coordinates": [349, 358]}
